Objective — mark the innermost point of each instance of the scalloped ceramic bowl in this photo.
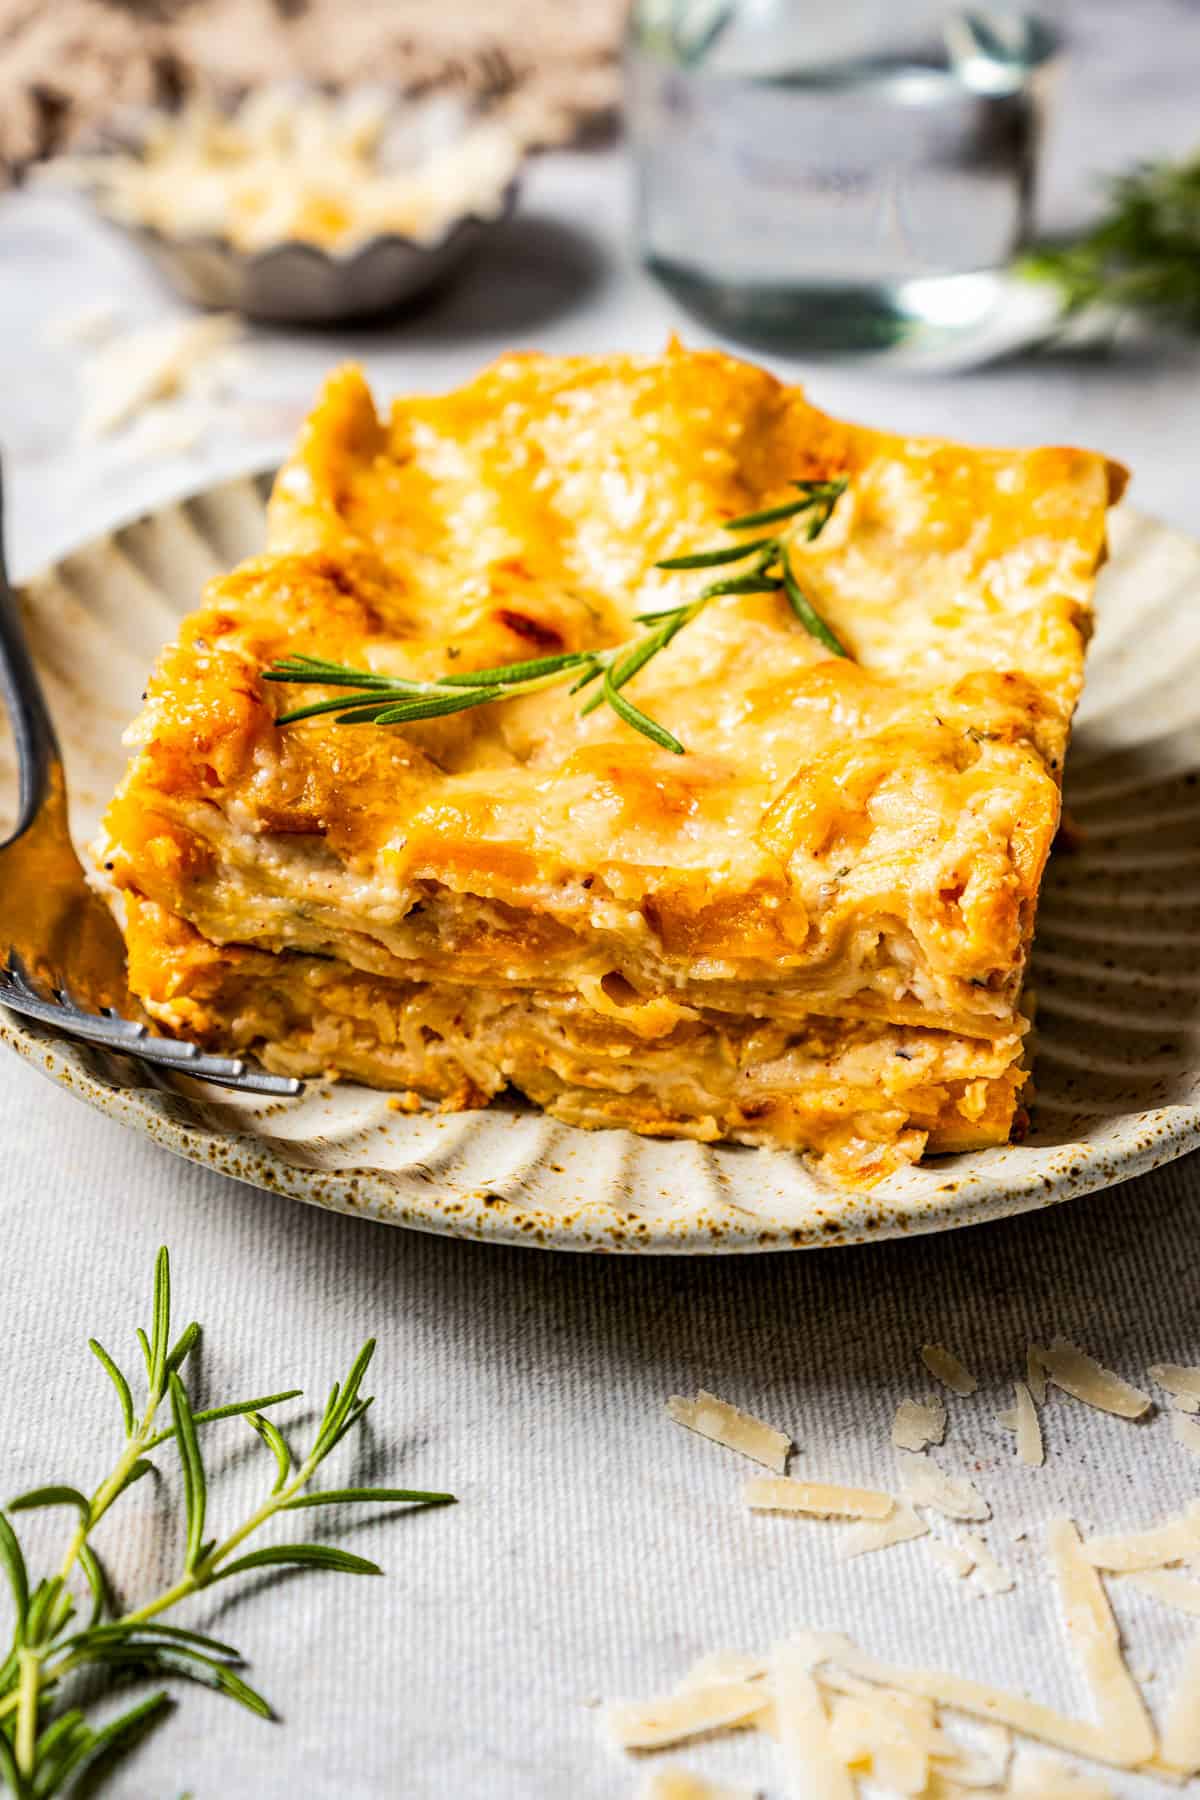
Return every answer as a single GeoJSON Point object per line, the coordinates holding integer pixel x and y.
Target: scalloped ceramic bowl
{"type": "Point", "coordinates": [1116, 967]}
{"type": "Point", "coordinates": [295, 282]}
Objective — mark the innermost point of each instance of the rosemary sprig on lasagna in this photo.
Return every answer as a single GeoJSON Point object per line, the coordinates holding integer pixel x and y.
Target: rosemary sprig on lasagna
{"type": "Point", "coordinates": [396, 700]}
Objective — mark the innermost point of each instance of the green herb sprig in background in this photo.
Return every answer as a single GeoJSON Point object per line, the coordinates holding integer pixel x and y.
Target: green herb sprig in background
{"type": "Point", "coordinates": [1143, 257]}
{"type": "Point", "coordinates": [393, 700]}
{"type": "Point", "coordinates": [45, 1744]}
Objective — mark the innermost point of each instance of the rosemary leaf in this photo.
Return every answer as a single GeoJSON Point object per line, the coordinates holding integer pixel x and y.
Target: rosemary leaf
{"type": "Point", "coordinates": [350, 1422]}
{"type": "Point", "coordinates": [807, 613]}
{"type": "Point", "coordinates": [273, 1438]}
{"type": "Point", "coordinates": [186, 1342]}
{"type": "Point", "coordinates": [329, 674]}
{"type": "Point", "coordinates": [339, 704]}
{"type": "Point", "coordinates": [92, 1747]}
{"type": "Point", "coordinates": [741, 584]}
{"type": "Point", "coordinates": [232, 1410]}
{"type": "Point", "coordinates": [118, 1380]}
{"type": "Point", "coordinates": [97, 1581]}
{"type": "Point", "coordinates": [382, 1497]}
{"type": "Point", "coordinates": [195, 1487]}
{"type": "Point", "coordinates": [640, 721]}
{"type": "Point", "coordinates": [729, 553]}
{"type": "Point", "coordinates": [51, 1496]}
{"type": "Point", "coordinates": [510, 672]}
{"type": "Point", "coordinates": [770, 515]}
{"type": "Point", "coordinates": [55, 1745]}
{"type": "Point", "coordinates": [18, 1575]}
{"type": "Point", "coordinates": [152, 1628]}
{"type": "Point", "coordinates": [41, 1606]}
{"type": "Point", "coordinates": [14, 1780]}
{"type": "Point", "coordinates": [161, 1329]}
{"type": "Point", "coordinates": [300, 1556]}
{"type": "Point", "coordinates": [180, 1659]}
{"type": "Point", "coordinates": [410, 711]}
{"type": "Point", "coordinates": [134, 1473]}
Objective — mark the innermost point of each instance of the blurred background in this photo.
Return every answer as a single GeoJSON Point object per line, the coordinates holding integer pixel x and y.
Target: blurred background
{"type": "Point", "coordinates": [982, 220]}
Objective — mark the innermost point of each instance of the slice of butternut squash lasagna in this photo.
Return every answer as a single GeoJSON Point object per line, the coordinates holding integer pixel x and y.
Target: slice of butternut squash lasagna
{"type": "Point", "coordinates": [808, 930]}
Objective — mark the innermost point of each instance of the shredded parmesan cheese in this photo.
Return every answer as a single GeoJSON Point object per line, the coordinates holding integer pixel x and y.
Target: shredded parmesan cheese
{"type": "Point", "coordinates": [900, 1527]}
{"type": "Point", "coordinates": [1173, 1542]}
{"type": "Point", "coordinates": [1186, 1431]}
{"type": "Point", "coordinates": [1030, 1448]}
{"type": "Point", "coordinates": [1022, 1418]}
{"type": "Point", "coordinates": [678, 1783]}
{"type": "Point", "coordinates": [83, 327]}
{"type": "Point", "coordinates": [133, 371]}
{"type": "Point", "coordinates": [991, 1578]}
{"type": "Point", "coordinates": [1043, 1778]}
{"type": "Point", "coordinates": [1171, 1587]}
{"type": "Point", "coordinates": [1181, 1732]}
{"type": "Point", "coordinates": [948, 1370]}
{"type": "Point", "coordinates": [952, 1558]}
{"type": "Point", "coordinates": [728, 1425]}
{"type": "Point", "coordinates": [1178, 1379]}
{"type": "Point", "coordinates": [328, 171]}
{"type": "Point", "coordinates": [780, 1493]}
{"type": "Point", "coordinates": [879, 1741]}
{"type": "Point", "coordinates": [926, 1485]}
{"type": "Point", "coordinates": [982, 1701]}
{"type": "Point", "coordinates": [1035, 1374]}
{"type": "Point", "coordinates": [919, 1423]}
{"type": "Point", "coordinates": [1185, 1403]}
{"type": "Point", "coordinates": [1081, 1376]}
{"type": "Point", "coordinates": [654, 1724]}
{"type": "Point", "coordinates": [983, 1763]}
{"type": "Point", "coordinates": [724, 1665]}
{"type": "Point", "coordinates": [1093, 1632]}
{"type": "Point", "coordinates": [814, 1769]}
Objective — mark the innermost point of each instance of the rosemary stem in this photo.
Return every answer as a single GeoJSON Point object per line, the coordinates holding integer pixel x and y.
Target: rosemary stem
{"type": "Point", "coordinates": [206, 1568]}
{"type": "Point", "coordinates": [111, 1487]}
{"type": "Point", "coordinates": [27, 1697]}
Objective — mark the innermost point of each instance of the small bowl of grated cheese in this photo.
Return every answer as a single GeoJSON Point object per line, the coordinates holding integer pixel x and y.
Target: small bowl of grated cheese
{"type": "Point", "coordinates": [302, 207]}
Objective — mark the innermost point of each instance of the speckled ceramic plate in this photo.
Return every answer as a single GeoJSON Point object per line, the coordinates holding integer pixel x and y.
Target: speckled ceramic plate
{"type": "Point", "coordinates": [1117, 964]}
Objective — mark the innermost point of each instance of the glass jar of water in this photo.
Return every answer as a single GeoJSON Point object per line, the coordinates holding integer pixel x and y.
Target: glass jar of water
{"type": "Point", "coordinates": [828, 175]}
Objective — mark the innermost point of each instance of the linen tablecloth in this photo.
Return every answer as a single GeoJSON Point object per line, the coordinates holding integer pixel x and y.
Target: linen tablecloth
{"type": "Point", "coordinates": [596, 1548]}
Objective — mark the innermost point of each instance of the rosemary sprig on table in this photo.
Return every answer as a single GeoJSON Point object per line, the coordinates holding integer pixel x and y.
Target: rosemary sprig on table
{"type": "Point", "coordinates": [1144, 254]}
{"type": "Point", "coordinates": [45, 1745]}
{"type": "Point", "coordinates": [394, 700]}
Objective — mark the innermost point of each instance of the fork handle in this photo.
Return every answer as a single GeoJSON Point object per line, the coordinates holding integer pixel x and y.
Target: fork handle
{"type": "Point", "coordinates": [38, 754]}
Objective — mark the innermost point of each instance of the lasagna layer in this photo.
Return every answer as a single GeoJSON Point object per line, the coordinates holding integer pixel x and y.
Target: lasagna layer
{"type": "Point", "coordinates": [866, 1096]}
{"type": "Point", "coordinates": [930, 928]}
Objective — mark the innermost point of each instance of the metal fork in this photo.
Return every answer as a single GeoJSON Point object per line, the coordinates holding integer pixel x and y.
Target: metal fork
{"type": "Point", "coordinates": [62, 960]}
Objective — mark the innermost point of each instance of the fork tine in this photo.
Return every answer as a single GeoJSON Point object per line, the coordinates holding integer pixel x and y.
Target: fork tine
{"type": "Point", "coordinates": [110, 1032]}
{"type": "Point", "coordinates": [42, 803]}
